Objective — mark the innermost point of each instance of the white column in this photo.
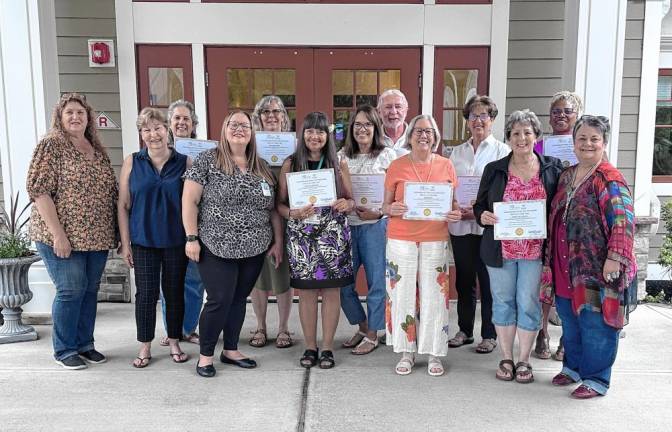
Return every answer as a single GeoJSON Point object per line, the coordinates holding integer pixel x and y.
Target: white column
{"type": "Point", "coordinates": [29, 88]}
{"type": "Point", "coordinates": [128, 91]}
{"type": "Point", "coordinates": [427, 79]}
{"type": "Point", "coordinates": [653, 16]}
{"type": "Point", "coordinates": [499, 54]}
{"type": "Point", "coordinates": [596, 45]}
{"type": "Point", "coordinates": [200, 98]}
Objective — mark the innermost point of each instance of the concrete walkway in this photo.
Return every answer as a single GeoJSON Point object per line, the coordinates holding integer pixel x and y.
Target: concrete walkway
{"type": "Point", "coordinates": [360, 394]}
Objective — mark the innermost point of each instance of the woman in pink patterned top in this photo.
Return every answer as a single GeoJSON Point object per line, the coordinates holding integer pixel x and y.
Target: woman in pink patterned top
{"type": "Point", "coordinates": [515, 266]}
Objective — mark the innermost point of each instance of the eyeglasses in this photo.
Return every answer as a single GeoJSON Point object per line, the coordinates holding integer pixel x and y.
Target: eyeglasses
{"type": "Point", "coordinates": [243, 126]}
{"type": "Point", "coordinates": [268, 112]}
{"type": "Point", "coordinates": [367, 125]}
{"type": "Point", "coordinates": [313, 132]}
{"type": "Point", "coordinates": [566, 111]}
{"type": "Point", "coordinates": [482, 117]}
{"type": "Point", "coordinates": [418, 132]}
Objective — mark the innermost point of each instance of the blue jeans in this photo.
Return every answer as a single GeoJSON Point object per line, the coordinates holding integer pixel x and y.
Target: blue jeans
{"type": "Point", "coordinates": [590, 346]}
{"type": "Point", "coordinates": [368, 249]}
{"type": "Point", "coordinates": [193, 299]}
{"type": "Point", "coordinates": [77, 279]}
{"type": "Point", "coordinates": [515, 294]}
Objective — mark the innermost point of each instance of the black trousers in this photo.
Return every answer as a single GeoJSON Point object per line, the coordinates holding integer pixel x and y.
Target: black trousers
{"type": "Point", "coordinates": [159, 268]}
{"type": "Point", "coordinates": [227, 282]}
{"type": "Point", "coordinates": [468, 265]}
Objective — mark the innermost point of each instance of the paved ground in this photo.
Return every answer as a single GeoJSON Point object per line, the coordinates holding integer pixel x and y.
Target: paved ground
{"type": "Point", "coordinates": [360, 394]}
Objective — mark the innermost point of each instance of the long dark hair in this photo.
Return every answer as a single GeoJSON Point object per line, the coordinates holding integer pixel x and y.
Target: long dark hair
{"type": "Point", "coordinates": [351, 147]}
{"type": "Point", "coordinates": [316, 120]}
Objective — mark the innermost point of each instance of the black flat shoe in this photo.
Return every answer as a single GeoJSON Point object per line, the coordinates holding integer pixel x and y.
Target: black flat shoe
{"type": "Point", "coordinates": [246, 363]}
{"type": "Point", "coordinates": [309, 358]}
{"type": "Point", "coordinates": [208, 371]}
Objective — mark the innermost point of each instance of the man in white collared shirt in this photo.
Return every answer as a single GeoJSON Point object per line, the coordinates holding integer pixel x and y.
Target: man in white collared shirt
{"type": "Point", "coordinates": [469, 159]}
{"type": "Point", "coordinates": [392, 108]}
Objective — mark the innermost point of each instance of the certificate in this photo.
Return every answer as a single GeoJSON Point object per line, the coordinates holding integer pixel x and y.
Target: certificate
{"type": "Point", "coordinates": [561, 147]}
{"type": "Point", "coordinates": [428, 201]}
{"type": "Point", "coordinates": [520, 220]}
{"type": "Point", "coordinates": [467, 189]}
{"type": "Point", "coordinates": [368, 190]}
{"type": "Point", "coordinates": [316, 187]}
{"type": "Point", "coordinates": [192, 147]}
{"type": "Point", "coordinates": [275, 147]}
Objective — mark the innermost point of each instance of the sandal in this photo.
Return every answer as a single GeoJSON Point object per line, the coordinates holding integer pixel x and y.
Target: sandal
{"type": "Point", "coordinates": [486, 346]}
{"type": "Point", "coordinates": [355, 340]}
{"type": "Point", "coordinates": [560, 353]}
{"type": "Point", "coordinates": [193, 338]}
{"type": "Point", "coordinates": [361, 350]}
{"type": "Point", "coordinates": [327, 360]}
{"type": "Point", "coordinates": [405, 365]}
{"type": "Point", "coordinates": [460, 339]}
{"type": "Point", "coordinates": [164, 341]}
{"type": "Point", "coordinates": [506, 374]}
{"type": "Point", "coordinates": [309, 358]}
{"type": "Point", "coordinates": [542, 348]}
{"type": "Point", "coordinates": [525, 375]}
{"type": "Point", "coordinates": [259, 338]}
{"type": "Point", "coordinates": [179, 357]}
{"type": "Point", "coordinates": [283, 340]}
{"type": "Point", "coordinates": [434, 366]}
{"type": "Point", "coordinates": [143, 363]}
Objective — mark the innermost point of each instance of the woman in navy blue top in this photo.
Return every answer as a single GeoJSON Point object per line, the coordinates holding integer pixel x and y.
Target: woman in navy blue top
{"type": "Point", "coordinates": [152, 234]}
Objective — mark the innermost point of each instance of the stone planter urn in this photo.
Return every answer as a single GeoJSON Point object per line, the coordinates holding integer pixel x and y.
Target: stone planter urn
{"type": "Point", "coordinates": [14, 293]}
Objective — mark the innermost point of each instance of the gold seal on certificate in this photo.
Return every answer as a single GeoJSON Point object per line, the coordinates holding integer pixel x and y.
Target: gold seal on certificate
{"type": "Point", "coordinates": [275, 147]}
{"type": "Point", "coordinates": [368, 190]}
{"type": "Point", "coordinates": [316, 187]}
{"type": "Point", "coordinates": [192, 147]}
{"type": "Point", "coordinates": [561, 147]}
{"type": "Point", "coordinates": [428, 201]}
{"type": "Point", "coordinates": [520, 220]}
{"type": "Point", "coordinates": [467, 189]}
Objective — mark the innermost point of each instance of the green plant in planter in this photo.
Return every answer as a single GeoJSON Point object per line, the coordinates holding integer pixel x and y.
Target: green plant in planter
{"type": "Point", "coordinates": [14, 241]}
{"type": "Point", "coordinates": [665, 257]}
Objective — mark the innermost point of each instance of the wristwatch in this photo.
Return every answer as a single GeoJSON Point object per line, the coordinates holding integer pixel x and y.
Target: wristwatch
{"type": "Point", "coordinates": [192, 238]}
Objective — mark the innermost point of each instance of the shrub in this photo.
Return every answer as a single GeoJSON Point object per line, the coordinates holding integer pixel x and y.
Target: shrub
{"type": "Point", "coordinates": [14, 241]}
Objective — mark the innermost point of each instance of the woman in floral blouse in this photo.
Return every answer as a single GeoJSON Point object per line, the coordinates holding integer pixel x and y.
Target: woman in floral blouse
{"type": "Point", "coordinates": [514, 266]}
{"type": "Point", "coordinates": [590, 263]}
{"type": "Point", "coordinates": [74, 190]}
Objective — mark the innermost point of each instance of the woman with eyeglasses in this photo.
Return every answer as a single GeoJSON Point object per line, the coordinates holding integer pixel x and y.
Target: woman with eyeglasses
{"type": "Point", "coordinates": [566, 108]}
{"type": "Point", "coordinates": [270, 115]}
{"type": "Point", "coordinates": [590, 267]}
{"type": "Point", "coordinates": [319, 250]}
{"type": "Point", "coordinates": [416, 312]}
{"type": "Point", "coordinates": [228, 209]}
{"type": "Point", "coordinates": [514, 266]}
{"type": "Point", "coordinates": [366, 154]}
{"type": "Point", "coordinates": [470, 159]}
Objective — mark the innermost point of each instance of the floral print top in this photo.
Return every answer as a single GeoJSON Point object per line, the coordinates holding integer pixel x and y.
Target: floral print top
{"type": "Point", "coordinates": [84, 193]}
{"type": "Point", "coordinates": [518, 190]}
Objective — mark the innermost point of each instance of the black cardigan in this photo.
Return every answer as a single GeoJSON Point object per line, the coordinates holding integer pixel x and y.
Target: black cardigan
{"type": "Point", "coordinates": [491, 190]}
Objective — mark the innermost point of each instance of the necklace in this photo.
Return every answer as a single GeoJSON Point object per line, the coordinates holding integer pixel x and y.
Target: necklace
{"type": "Point", "coordinates": [431, 162]}
{"type": "Point", "coordinates": [571, 189]}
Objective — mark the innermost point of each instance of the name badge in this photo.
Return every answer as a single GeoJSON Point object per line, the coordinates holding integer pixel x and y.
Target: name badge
{"type": "Point", "coordinates": [266, 189]}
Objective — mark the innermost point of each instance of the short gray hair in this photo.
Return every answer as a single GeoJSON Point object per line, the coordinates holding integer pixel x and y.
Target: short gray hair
{"type": "Point", "coordinates": [192, 113]}
{"type": "Point", "coordinates": [263, 103]}
{"type": "Point", "coordinates": [391, 92]}
{"type": "Point", "coordinates": [411, 125]}
{"type": "Point", "coordinates": [600, 123]}
{"type": "Point", "coordinates": [571, 98]}
{"type": "Point", "coordinates": [524, 117]}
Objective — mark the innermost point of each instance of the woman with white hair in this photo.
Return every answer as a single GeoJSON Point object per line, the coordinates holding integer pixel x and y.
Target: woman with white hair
{"type": "Point", "coordinates": [416, 310]}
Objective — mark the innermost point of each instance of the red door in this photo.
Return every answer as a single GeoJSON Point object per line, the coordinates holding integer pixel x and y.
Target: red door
{"type": "Point", "coordinates": [164, 75]}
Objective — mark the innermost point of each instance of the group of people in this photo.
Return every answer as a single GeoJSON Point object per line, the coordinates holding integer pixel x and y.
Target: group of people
{"type": "Point", "coordinates": [222, 223]}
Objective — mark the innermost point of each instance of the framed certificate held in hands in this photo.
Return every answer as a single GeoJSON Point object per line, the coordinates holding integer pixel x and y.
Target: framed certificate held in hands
{"type": "Point", "coordinates": [561, 147]}
{"type": "Point", "coordinates": [275, 147]}
{"type": "Point", "coordinates": [428, 201]}
{"type": "Point", "coordinates": [192, 147]}
{"type": "Point", "coordinates": [316, 187]}
{"type": "Point", "coordinates": [467, 190]}
{"type": "Point", "coordinates": [520, 220]}
{"type": "Point", "coordinates": [368, 190]}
